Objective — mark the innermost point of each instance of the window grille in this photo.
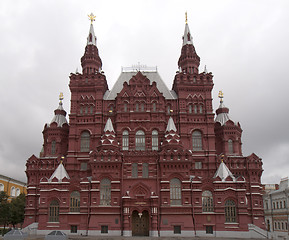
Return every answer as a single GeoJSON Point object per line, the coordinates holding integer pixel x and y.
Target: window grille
{"type": "Point", "coordinates": [145, 170]}
{"type": "Point", "coordinates": [197, 141]}
{"type": "Point", "coordinates": [230, 211]}
{"type": "Point", "coordinates": [134, 170]}
{"type": "Point", "coordinates": [230, 146]}
{"type": "Point", "coordinates": [54, 211]}
{"type": "Point", "coordinates": [207, 201]}
{"type": "Point", "coordinates": [175, 192]}
{"type": "Point", "coordinates": [105, 191]}
{"type": "Point", "coordinates": [155, 140]}
{"type": "Point", "coordinates": [75, 201]}
{"type": "Point", "coordinates": [84, 141]}
{"type": "Point", "coordinates": [125, 140]}
{"type": "Point", "coordinates": [140, 141]}
{"type": "Point", "coordinates": [53, 147]}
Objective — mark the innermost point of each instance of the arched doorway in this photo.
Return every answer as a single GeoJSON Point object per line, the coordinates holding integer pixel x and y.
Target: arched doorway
{"type": "Point", "coordinates": [140, 223]}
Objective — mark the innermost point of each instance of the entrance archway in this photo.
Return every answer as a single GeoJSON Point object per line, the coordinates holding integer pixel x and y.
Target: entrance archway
{"type": "Point", "coordinates": [140, 223]}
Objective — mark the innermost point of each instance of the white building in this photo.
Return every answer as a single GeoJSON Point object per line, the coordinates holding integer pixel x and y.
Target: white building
{"type": "Point", "coordinates": [276, 203]}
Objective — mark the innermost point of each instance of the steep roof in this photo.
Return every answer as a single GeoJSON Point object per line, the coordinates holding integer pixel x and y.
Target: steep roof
{"type": "Point", "coordinates": [222, 114]}
{"type": "Point", "coordinates": [59, 116]}
{"type": "Point", "coordinates": [152, 76]}
{"type": "Point", "coordinates": [108, 126]}
{"type": "Point", "coordinates": [171, 125]}
{"type": "Point", "coordinates": [59, 173]}
{"type": "Point", "coordinates": [223, 172]}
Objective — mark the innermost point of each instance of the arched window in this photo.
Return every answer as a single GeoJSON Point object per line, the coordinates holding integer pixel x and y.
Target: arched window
{"type": "Point", "coordinates": [54, 211]}
{"type": "Point", "coordinates": [201, 108]}
{"type": "Point", "coordinates": [195, 108]}
{"type": "Point", "coordinates": [207, 201]}
{"type": "Point", "coordinates": [86, 110]}
{"type": "Point", "coordinates": [84, 141]}
{"type": "Point", "coordinates": [142, 107]}
{"type": "Point", "coordinates": [1, 187]}
{"type": "Point", "coordinates": [175, 192]}
{"type": "Point", "coordinates": [75, 201]}
{"type": "Point", "coordinates": [81, 110]}
{"type": "Point", "coordinates": [136, 107]}
{"type": "Point", "coordinates": [197, 141]}
{"type": "Point", "coordinates": [125, 107]}
{"type": "Point", "coordinates": [91, 109]}
{"type": "Point", "coordinates": [169, 109]}
{"type": "Point", "coordinates": [140, 140]}
{"type": "Point", "coordinates": [154, 107]}
{"type": "Point", "coordinates": [125, 140]}
{"type": "Point", "coordinates": [155, 140]}
{"type": "Point", "coordinates": [230, 146]}
{"type": "Point", "coordinates": [17, 192]}
{"type": "Point", "coordinates": [134, 170]}
{"type": "Point", "coordinates": [190, 108]}
{"type": "Point", "coordinates": [230, 211]}
{"type": "Point", "coordinates": [53, 147]}
{"type": "Point", "coordinates": [13, 192]}
{"type": "Point", "coordinates": [145, 170]}
{"type": "Point", "coordinates": [105, 191]}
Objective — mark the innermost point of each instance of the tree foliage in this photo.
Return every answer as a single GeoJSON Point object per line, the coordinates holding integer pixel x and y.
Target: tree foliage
{"type": "Point", "coordinates": [11, 212]}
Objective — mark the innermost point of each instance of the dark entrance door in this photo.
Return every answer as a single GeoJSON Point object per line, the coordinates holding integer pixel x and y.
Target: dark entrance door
{"type": "Point", "coordinates": [140, 223]}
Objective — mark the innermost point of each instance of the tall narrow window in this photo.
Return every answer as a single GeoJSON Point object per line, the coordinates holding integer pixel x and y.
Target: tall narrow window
{"type": "Point", "coordinates": [175, 192]}
{"type": "Point", "coordinates": [53, 147]}
{"type": "Point", "coordinates": [17, 192]}
{"type": "Point", "coordinates": [125, 107]}
{"type": "Point", "coordinates": [134, 170]}
{"type": "Point", "coordinates": [190, 108]}
{"type": "Point", "coordinates": [136, 107]}
{"type": "Point", "coordinates": [201, 108]}
{"type": "Point", "coordinates": [230, 146]}
{"type": "Point", "coordinates": [91, 109]}
{"type": "Point", "coordinates": [75, 201]}
{"type": "Point", "coordinates": [84, 141]}
{"type": "Point", "coordinates": [13, 192]}
{"type": "Point", "coordinates": [169, 109]}
{"type": "Point", "coordinates": [197, 141]}
{"type": "Point", "coordinates": [86, 110]}
{"type": "Point", "coordinates": [54, 211]}
{"type": "Point", "coordinates": [154, 107]}
{"type": "Point", "coordinates": [125, 140]}
{"type": "Point", "coordinates": [81, 111]}
{"type": "Point", "coordinates": [230, 211]}
{"type": "Point", "coordinates": [145, 170]}
{"type": "Point", "coordinates": [207, 201]}
{"type": "Point", "coordinates": [1, 187]}
{"type": "Point", "coordinates": [195, 108]}
{"type": "Point", "coordinates": [140, 141]}
{"type": "Point", "coordinates": [142, 107]}
{"type": "Point", "coordinates": [155, 140]}
{"type": "Point", "coordinates": [105, 191]}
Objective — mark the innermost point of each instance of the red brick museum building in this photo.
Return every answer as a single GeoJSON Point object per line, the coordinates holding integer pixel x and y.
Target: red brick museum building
{"type": "Point", "coordinates": [141, 159]}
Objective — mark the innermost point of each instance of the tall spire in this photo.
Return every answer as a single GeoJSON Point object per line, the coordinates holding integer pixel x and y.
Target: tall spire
{"type": "Point", "coordinates": [91, 62]}
{"type": "Point", "coordinates": [189, 60]}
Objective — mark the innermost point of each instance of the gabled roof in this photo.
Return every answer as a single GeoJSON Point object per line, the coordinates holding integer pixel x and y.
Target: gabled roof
{"type": "Point", "coordinates": [59, 173]}
{"type": "Point", "coordinates": [152, 76]}
{"type": "Point", "coordinates": [223, 172]}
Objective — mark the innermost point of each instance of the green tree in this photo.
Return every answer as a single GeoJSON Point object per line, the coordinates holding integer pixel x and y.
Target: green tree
{"type": "Point", "coordinates": [17, 209]}
{"type": "Point", "coordinates": [4, 209]}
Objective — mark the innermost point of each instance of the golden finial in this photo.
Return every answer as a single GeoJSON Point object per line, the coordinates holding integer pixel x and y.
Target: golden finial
{"type": "Point", "coordinates": [91, 17]}
{"type": "Point", "coordinates": [221, 96]}
{"type": "Point", "coordinates": [61, 97]}
{"type": "Point", "coordinates": [222, 158]}
{"type": "Point", "coordinates": [186, 18]}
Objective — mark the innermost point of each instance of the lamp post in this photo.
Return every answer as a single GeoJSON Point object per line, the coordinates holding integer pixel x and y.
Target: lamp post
{"type": "Point", "coordinates": [193, 212]}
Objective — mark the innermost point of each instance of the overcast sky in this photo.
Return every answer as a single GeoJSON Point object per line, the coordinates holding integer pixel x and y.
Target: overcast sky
{"type": "Point", "coordinates": [245, 44]}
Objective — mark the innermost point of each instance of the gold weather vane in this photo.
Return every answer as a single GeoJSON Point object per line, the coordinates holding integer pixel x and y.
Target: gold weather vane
{"type": "Point", "coordinates": [91, 17]}
{"type": "Point", "coordinates": [221, 96]}
{"type": "Point", "coordinates": [61, 97]}
{"type": "Point", "coordinates": [186, 18]}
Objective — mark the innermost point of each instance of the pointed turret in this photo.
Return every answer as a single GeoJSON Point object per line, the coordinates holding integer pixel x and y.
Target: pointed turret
{"type": "Point", "coordinates": [189, 60]}
{"type": "Point", "coordinates": [55, 133]}
{"type": "Point", "coordinates": [228, 133]}
{"type": "Point", "coordinates": [172, 138]}
{"type": "Point", "coordinates": [91, 62]}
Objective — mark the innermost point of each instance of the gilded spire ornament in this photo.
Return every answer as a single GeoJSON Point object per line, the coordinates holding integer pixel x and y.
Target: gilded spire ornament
{"type": "Point", "coordinates": [61, 97]}
{"type": "Point", "coordinates": [186, 18]}
{"type": "Point", "coordinates": [91, 17]}
{"type": "Point", "coordinates": [221, 96]}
